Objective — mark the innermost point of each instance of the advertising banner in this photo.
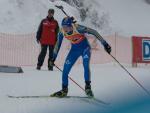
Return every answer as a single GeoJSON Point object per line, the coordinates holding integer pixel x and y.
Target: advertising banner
{"type": "Point", "coordinates": [141, 49]}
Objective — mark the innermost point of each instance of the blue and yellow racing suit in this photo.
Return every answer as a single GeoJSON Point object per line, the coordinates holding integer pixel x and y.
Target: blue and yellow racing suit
{"type": "Point", "coordinates": [79, 47]}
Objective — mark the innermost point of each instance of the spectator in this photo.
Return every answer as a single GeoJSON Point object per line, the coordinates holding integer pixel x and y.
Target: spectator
{"type": "Point", "coordinates": [47, 37]}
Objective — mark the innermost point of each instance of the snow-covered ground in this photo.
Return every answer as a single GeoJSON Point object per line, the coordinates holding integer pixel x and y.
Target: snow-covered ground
{"type": "Point", "coordinates": [109, 83]}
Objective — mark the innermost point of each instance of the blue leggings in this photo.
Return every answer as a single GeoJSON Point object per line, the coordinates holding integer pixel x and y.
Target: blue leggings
{"type": "Point", "coordinates": [70, 61]}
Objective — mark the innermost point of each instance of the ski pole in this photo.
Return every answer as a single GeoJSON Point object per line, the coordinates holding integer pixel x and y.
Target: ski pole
{"type": "Point", "coordinates": [101, 38]}
{"type": "Point", "coordinates": [70, 78]}
{"type": "Point", "coordinates": [131, 75]}
{"type": "Point", "coordinates": [62, 9]}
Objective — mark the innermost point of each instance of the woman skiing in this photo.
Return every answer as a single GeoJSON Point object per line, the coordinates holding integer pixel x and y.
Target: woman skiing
{"type": "Point", "coordinates": [75, 33]}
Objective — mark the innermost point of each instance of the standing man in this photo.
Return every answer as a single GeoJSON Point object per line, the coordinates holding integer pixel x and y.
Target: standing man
{"type": "Point", "coordinates": [80, 46]}
{"type": "Point", "coordinates": [47, 37]}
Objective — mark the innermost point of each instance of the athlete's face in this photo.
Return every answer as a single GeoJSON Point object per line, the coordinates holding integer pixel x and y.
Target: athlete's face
{"type": "Point", "coordinates": [67, 29]}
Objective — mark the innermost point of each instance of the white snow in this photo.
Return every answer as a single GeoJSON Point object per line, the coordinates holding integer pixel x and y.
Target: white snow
{"type": "Point", "coordinates": [109, 83]}
{"type": "Point", "coordinates": [126, 17]}
{"type": "Point", "coordinates": [24, 16]}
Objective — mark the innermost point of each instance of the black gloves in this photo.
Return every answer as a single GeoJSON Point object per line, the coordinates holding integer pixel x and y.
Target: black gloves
{"type": "Point", "coordinates": [107, 47]}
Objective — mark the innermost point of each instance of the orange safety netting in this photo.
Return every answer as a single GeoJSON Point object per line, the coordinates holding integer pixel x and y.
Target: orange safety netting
{"type": "Point", "coordinates": [22, 50]}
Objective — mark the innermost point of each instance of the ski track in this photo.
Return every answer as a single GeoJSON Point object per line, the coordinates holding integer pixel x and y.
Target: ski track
{"type": "Point", "coordinates": [110, 84]}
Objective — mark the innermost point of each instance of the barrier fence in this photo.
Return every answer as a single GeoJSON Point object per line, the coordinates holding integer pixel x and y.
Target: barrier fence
{"type": "Point", "coordinates": [22, 50]}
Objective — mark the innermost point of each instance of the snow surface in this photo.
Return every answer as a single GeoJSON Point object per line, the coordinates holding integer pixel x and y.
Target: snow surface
{"type": "Point", "coordinates": [126, 17]}
{"type": "Point", "coordinates": [109, 83]}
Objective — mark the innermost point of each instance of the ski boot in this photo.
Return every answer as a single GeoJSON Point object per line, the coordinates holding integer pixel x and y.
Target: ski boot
{"type": "Point", "coordinates": [38, 67]}
{"type": "Point", "coordinates": [50, 68]}
{"type": "Point", "coordinates": [62, 93]}
{"type": "Point", "coordinates": [88, 91]}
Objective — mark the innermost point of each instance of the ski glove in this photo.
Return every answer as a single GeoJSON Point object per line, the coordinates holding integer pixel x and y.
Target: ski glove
{"type": "Point", "coordinates": [107, 47]}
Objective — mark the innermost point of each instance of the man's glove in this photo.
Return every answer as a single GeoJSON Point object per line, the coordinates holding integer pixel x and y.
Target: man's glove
{"type": "Point", "coordinates": [107, 47]}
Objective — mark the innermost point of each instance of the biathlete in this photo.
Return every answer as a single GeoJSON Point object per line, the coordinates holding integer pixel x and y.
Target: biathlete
{"type": "Point", "coordinates": [80, 46]}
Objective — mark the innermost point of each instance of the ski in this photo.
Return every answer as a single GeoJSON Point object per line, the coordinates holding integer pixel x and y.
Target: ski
{"type": "Point", "coordinates": [90, 100]}
{"type": "Point", "coordinates": [45, 96]}
{"type": "Point", "coordinates": [40, 96]}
